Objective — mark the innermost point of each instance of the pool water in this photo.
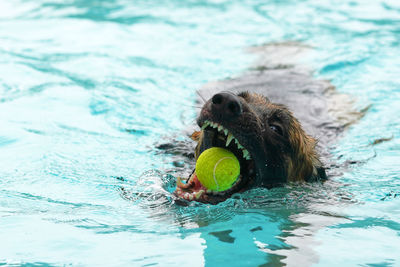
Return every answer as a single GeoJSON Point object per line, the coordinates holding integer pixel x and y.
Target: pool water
{"type": "Point", "coordinates": [88, 88]}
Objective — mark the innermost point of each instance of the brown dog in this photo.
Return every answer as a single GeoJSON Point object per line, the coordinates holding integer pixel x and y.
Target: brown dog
{"type": "Point", "coordinates": [267, 139]}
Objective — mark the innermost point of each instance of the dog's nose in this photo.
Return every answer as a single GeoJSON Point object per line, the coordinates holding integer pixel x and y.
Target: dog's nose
{"type": "Point", "coordinates": [226, 104]}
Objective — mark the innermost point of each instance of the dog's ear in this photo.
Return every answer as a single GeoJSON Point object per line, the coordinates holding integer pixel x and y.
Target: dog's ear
{"type": "Point", "coordinates": [196, 136]}
{"type": "Point", "coordinates": [321, 173]}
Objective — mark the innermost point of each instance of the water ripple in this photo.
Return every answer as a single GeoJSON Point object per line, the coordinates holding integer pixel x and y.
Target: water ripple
{"type": "Point", "coordinates": [88, 89]}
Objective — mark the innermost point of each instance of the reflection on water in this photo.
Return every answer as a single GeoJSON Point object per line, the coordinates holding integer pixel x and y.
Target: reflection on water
{"type": "Point", "coordinates": [88, 89]}
{"type": "Point", "coordinates": [259, 226]}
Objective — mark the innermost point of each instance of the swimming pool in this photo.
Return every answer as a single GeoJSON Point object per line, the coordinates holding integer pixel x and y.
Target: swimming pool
{"type": "Point", "coordinates": [88, 87]}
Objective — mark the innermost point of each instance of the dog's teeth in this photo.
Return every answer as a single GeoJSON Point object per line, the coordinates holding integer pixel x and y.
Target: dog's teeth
{"type": "Point", "coordinates": [205, 124]}
{"type": "Point", "coordinates": [245, 153]}
{"type": "Point", "coordinates": [214, 125]}
{"type": "Point", "coordinates": [199, 194]}
{"type": "Point", "coordinates": [239, 145]}
{"type": "Point", "coordinates": [220, 128]}
{"type": "Point", "coordinates": [229, 139]}
{"type": "Point", "coordinates": [225, 131]}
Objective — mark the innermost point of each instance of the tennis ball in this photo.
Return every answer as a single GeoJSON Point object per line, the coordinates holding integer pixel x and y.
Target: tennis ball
{"type": "Point", "coordinates": [217, 169]}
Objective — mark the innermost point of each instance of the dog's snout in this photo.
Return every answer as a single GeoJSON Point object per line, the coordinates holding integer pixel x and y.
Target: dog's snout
{"type": "Point", "coordinates": [226, 104]}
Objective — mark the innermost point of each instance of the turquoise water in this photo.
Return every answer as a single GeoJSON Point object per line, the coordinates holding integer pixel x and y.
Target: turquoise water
{"type": "Point", "coordinates": [87, 88]}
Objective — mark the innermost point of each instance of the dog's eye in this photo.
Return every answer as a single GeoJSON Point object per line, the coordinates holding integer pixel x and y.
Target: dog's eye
{"type": "Point", "coordinates": [276, 129]}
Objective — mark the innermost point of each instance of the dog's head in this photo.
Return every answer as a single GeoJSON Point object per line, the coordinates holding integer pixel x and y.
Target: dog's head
{"type": "Point", "coordinates": [268, 140]}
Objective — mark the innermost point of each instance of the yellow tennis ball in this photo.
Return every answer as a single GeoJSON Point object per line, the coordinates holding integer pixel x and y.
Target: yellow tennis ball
{"type": "Point", "coordinates": [217, 169]}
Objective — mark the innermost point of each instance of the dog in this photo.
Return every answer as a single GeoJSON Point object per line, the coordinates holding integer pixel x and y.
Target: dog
{"type": "Point", "coordinates": [270, 143]}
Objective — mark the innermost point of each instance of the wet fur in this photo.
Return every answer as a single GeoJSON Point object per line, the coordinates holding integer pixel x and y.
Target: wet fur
{"type": "Point", "coordinates": [294, 152]}
{"type": "Point", "coordinates": [318, 110]}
